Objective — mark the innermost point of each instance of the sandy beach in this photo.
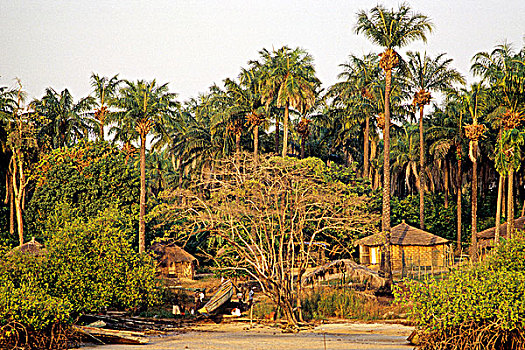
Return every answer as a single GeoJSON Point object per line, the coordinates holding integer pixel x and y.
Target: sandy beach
{"type": "Point", "coordinates": [237, 336]}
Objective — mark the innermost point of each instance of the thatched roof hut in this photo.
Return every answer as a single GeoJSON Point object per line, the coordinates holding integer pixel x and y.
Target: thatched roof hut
{"type": "Point", "coordinates": [32, 248]}
{"type": "Point", "coordinates": [411, 246]}
{"type": "Point", "coordinates": [486, 237]}
{"type": "Point", "coordinates": [173, 261]}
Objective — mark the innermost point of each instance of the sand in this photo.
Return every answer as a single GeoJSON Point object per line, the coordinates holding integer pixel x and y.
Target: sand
{"type": "Point", "coordinates": [238, 336]}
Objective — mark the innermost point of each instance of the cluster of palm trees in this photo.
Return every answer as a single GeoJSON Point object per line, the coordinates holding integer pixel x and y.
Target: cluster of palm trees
{"type": "Point", "coordinates": [375, 116]}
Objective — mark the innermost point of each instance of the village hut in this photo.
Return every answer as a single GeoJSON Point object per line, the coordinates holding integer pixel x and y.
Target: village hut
{"type": "Point", "coordinates": [486, 237]}
{"type": "Point", "coordinates": [173, 261]}
{"type": "Point", "coordinates": [412, 248]}
{"type": "Point", "coordinates": [31, 248]}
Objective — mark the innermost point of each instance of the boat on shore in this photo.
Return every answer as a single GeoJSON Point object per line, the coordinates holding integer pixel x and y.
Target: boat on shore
{"type": "Point", "coordinates": [223, 295]}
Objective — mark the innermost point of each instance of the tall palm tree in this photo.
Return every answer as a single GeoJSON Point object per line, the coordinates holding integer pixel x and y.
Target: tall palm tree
{"type": "Point", "coordinates": [355, 94]}
{"type": "Point", "coordinates": [423, 76]}
{"type": "Point", "coordinates": [474, 102]}
{"type": "Point", "coordinates": [504, 70]}
{"type": "Point", "coordinates": [288, 80]}
{"type": "Point", "coordinates": [390, 29]}
{"type": "Point", "coordinates": [446, 136]}
{"type": "Point", "coordinates": [105, 90]}
{"type": "Point", "coordinates": [142, 106]}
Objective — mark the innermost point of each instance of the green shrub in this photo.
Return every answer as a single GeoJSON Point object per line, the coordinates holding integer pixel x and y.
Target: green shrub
{"type": "Point", "coordinates": [88, 265]}
{"type": "Point", "coordinates": [482, 304]}
{"type": "Point", "coordinates": [92, 265]}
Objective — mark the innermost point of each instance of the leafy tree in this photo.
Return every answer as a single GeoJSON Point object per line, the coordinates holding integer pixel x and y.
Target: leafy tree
{"type": "Point", "coordinates": [88, 177]}
{"type": "Point", "coordinates": [269, 215]}
{"type": "Point", "coordinates": [390, 29]}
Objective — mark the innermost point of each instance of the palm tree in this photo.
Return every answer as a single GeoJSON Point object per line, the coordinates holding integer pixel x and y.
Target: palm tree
{"type": "Point", "coordinates": [474, 102]}
{"type": "Point", "coordinates": [355, 95]}
{"type": "Point", "coordinates": [142, 106]}
{"type": "Point", "coordinates": [287, 77]}
{"type": "Point", "coordinates": [447, 137]}
{"type": "Point", "coordinates": [504, 70]}
{"type": "Point", "coordinates": [425, 75]}
{"type": "Point", "coordinates": [105, 90]}
{"type": "Point", "coordinates": [390, 29]}
{"type": "Point", "coordinates": [66, 121]}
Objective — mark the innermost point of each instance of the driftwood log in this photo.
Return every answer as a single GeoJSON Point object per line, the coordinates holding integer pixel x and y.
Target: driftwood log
{"type": "Point", "coordinates": [351, 270]}
{"type": "Point", "coordinates": [112, 336]}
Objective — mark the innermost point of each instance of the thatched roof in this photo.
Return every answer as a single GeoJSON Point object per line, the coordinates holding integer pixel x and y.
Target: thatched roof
{"type": "Point", "coordinates": [168, 251]}
{"type": "Point", "coordinates": [490, 232]}
{"type": "Point", "coordinates": [32, 247]}
{"type": "Point", "coordinates": [403, 234]}
{"type": "Point", "coordinates": [353, 271]}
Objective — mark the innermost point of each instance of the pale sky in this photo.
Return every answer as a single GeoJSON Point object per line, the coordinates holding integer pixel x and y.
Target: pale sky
{"type": "Point", "coordinates": [192, 44]}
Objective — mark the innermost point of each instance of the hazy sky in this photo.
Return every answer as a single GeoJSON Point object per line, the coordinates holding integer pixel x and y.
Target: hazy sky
{"type": "Point", "coordinates": [192, 44]}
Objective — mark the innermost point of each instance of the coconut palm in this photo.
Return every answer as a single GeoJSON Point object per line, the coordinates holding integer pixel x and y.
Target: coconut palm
{"type": "Point", "coordinates": [423, 76]}
{"type": "Point", "coordinates": [287, 78]}
{"type": "Point", "coordinates": [105, 90]}
{"type": "Point", "coordinates": [390, 29]}
{"type": "Point", "coordinates": [142, 106]}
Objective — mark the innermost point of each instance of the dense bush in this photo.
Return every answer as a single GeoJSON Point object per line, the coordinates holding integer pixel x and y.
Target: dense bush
{"type": "Point", "coordinates": [479, 307]}
{"type": "Point", "coordinates": [87, 177]}
{"type": "Point", "coordinates": [88, 266]}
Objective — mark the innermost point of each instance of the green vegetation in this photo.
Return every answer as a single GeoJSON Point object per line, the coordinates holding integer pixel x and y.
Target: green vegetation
{"type": "Point", "coordinates": [376, 143]}
{"type": "Point", "coordinates": [88, 266]}
{"type": "Point", "coordinates": [476, 307]}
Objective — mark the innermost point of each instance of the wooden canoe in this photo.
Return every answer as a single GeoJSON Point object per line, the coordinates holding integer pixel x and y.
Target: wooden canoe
{"type": "Point", "coordinates": [223, 294]}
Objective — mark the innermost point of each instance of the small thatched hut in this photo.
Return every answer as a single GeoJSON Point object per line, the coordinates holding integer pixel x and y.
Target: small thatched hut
{"type": "Point", "coordinates": [173, 261]}
{"type": "Point", "coordinates": [32, 248]}
{"type": "Point", "coordinates": [411, 248]}
{"type": "Point", "coordinates": [486, 237]}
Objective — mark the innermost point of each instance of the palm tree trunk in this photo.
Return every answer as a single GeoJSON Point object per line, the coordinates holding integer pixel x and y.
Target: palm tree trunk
{"type": "Point", "coordinates": [498, 209]}
{"type": "Point", "coordinates": [510, 205]}
{"type": "Point", "coordinates": [285, 130]}
{"type": "Point", "coordinates": [18, 185]}
{"type": "Point", "coordinates": [386, 176]}
{"type": "Point", "coordinates": [421, 171]}
{"type": "Point", "coordinates": [366, 151]}
{"type": "Point", "coordinates": [447, 173]}
{"type": "Point", "coordinates": [277, 148]}
{"type": "Point", "coordinates": [256, 143]}
{"type": "Point", "coordinates": [9, 200]}
{"type": "Point", "coordinates": [458, 206]}
{"type": "Point", "coordinates": [303, 142]}
{"type": "Point", "coordinates": [238, 142]}
{"type": "Point", "coordinates": [142, 224]}
{"type": "Point", "coordinates": [474, 237]}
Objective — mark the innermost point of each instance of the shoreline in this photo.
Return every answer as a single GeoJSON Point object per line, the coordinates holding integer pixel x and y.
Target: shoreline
{"type": "Point", "coordinates": [332, 335]}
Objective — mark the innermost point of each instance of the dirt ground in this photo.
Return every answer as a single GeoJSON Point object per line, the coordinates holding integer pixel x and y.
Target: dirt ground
{"type": "Point", "coordinates": [238, 336]}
